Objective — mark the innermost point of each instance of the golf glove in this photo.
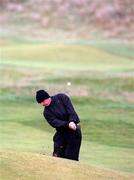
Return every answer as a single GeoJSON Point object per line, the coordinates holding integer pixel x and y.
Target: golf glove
{"type": "Point", "coordinates": [72, 126]}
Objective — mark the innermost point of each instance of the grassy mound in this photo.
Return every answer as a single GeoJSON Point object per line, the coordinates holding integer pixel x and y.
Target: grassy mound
{"type": "Point", "coordinates": [18, 165]}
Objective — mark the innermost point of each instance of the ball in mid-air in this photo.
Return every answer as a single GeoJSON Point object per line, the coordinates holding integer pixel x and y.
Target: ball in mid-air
{"type": "Point", "coordinates": [68, 83]}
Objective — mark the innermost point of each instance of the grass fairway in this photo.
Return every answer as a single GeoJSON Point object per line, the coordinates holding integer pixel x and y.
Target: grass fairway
{"type": "Point", "coordinates": [73, 57]}
{"type": "Point", "coordinates": [101, 90]}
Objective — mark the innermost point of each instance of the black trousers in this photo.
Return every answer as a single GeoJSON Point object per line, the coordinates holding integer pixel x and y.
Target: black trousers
{"type": "Point", "coordinates": [67, 144]}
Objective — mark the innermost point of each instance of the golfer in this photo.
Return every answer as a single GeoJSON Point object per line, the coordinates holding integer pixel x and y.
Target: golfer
{"type": "Point", "coordinates": [60, 114]}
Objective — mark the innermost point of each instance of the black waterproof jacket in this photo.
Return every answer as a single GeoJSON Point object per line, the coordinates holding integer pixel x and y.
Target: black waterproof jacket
{"type": "Point", "coordinates": [60, 112]}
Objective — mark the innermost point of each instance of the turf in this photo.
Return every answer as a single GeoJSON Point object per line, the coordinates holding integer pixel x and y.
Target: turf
{"type": "Point", "coordinates": [15, 165]}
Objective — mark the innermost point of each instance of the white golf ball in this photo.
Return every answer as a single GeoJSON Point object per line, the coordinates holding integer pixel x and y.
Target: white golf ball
{"type": "Point", "coordinates": [68, 83]}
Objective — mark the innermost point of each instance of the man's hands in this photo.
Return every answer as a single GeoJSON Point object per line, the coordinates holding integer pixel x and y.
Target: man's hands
{"type": "Point", "coordinates": [72, 126]}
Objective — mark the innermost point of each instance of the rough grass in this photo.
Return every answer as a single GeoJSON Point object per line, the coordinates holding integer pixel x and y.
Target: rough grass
{"type": "Point", "coordinates": [28, 166]}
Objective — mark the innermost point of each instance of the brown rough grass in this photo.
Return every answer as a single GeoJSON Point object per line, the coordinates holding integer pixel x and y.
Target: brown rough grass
{"type": "Point", "coordinates": [29, 166]}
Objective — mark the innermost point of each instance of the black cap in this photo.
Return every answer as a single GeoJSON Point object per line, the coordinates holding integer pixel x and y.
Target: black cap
{"type": "Point", "coordinates": [41, 95]}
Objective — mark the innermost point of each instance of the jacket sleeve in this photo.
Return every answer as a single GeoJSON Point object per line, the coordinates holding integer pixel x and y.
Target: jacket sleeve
{"type": "Point", "coordinates": [69, 108]}
{"type": "Point", "coordinates": [54, 122]}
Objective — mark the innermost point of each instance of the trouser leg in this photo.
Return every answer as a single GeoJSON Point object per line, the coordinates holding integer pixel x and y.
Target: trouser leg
{"type": "Point", "coordinates": [73, 145]}
{"type": "Point", "coordinates": [59, 147]}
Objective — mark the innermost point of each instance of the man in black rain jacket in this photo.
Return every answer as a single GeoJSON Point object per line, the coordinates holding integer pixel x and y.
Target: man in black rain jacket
{"type": "Point", "coordinates": [60, 114]}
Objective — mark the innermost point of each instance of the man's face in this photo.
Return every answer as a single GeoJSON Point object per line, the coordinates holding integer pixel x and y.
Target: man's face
{"type": "Point", "coordinates": [46, 102]}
